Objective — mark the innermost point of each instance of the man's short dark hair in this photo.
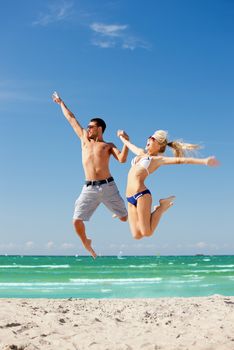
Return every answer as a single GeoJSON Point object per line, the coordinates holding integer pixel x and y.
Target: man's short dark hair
{"type": "Point", "coordinates": [100, 122]}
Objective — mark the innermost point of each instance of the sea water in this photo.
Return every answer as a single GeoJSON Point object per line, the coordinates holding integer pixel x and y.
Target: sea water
{"type": "Point", "coordinates": [115, 277]}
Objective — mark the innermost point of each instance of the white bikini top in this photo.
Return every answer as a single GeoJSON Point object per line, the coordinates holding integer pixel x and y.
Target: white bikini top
{"type": "Point", "coordinates": [143, 162]}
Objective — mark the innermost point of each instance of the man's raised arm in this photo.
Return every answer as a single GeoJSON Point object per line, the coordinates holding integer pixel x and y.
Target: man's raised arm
{"type": "Point", "coordinates": [68, 115]}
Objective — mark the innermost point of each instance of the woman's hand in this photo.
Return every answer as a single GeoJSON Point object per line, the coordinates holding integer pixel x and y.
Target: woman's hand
{"type": "Point", "coordinates": [212, 161]}
{"type": "Point", "coordinates": [123, 134]}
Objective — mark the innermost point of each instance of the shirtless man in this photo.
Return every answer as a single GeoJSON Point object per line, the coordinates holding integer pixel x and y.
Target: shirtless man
{"type": "Point", "coordinates": [99, 186]}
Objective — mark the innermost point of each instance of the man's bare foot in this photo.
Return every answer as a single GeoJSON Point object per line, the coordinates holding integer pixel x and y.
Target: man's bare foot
{"type": "Point", "coordinates": [166, 203]}
{"type": "Point", "coordinates": [123, 218]}
{"type": "Point", "coordinates": [88, 246]}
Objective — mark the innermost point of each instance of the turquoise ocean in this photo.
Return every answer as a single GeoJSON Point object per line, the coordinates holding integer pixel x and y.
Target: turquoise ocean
{"type": "Point", "coordinates": [115, 277]}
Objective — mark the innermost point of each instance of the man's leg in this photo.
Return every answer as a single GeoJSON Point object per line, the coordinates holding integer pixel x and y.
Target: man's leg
{"type": "Point", "coordinates": [85, 206]}
{"type": "Point", "coordinates": [80, 230]}
{"type": "Point", "coordinates": [113, 201]}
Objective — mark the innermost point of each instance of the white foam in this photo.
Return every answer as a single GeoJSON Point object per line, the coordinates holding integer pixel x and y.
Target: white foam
{"type": "Point", "coordinates": [35, 284]}
{"type": "Point", "coordinates": [186, 281]}
{"type": "Point", "coordinates": [34, 266]}
{"type": "Point", "coordinates": [141, 266]}
{"type": "Point", "coordinates": [80, 281]}
{"type": "Point", "coordinates": [115, 280]}
{"type": "Point", "coordinates": [231, 265]}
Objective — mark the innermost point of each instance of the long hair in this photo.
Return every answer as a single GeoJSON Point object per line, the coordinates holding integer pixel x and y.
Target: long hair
{"type": "Point", "coordinates": [181, 149]}
{"type": "Point", "coordinates": [178, 147]}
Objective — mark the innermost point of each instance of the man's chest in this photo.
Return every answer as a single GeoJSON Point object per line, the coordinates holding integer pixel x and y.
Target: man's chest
{"type": "Point", "coordinates": [96, 149]}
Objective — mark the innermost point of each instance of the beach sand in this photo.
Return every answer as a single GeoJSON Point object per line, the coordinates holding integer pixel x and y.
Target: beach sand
{"type": "Point", "coordinates": [118, 324]}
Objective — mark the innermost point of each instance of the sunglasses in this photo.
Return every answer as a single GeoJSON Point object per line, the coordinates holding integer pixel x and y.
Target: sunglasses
{"type": "Point", "coordinates": [91, 126]}
{"type": "Point", "coordinates": [152, 138]}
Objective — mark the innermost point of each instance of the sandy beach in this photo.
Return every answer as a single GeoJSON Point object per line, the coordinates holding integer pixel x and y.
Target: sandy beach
{"type": "Point", "coordinates": [123, 324]}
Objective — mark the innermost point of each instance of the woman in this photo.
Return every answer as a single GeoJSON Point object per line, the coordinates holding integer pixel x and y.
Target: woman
{"type": "Point", "coordinates": [142, 222]}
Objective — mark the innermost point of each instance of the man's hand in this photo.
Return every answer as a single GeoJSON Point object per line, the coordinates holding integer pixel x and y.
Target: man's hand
{"type": "Point", "coordinates": [56, 98]}
{"type": "Point", "coordinates": [123, 134]}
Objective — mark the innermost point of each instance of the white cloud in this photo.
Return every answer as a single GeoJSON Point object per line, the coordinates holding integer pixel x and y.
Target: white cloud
{"type": "Point", "coordinates": [200, 245]}
{"type": "Point", "coordinates": [204, 245]}
{"type": "Point", "coordinates": [132, 43]}
{"type": "Point", "coordinates": [214, 246]}
{"type": "Point", "coordinates": [150, 246]}
{"type": "Point", "coordinates": [104, 44]}
{"type": "Point", "coordinates": [115, 35]}
{"type": "Point", "coordinates": [50, 245]}
{"type": "Point", "coordinates": [104, 35]}
{"type": "Point", "coordinates": [122, 246]}
{"type": "Point", "coordinates": [56, 13]}
{"type": "Point", "coordinates": [138, 245]}
{"type": "Point", "coordinates": [8, 246]}
{"type": "Point", "coordinates": [29, 244]}
{"type": "Point", "coordinates": [112, 30]}
{"type": "Point", "coordinates": [67, 246]}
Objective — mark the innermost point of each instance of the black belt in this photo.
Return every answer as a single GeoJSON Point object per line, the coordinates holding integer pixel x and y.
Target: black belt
{"type": "Point", "coordinates": [99, 182]}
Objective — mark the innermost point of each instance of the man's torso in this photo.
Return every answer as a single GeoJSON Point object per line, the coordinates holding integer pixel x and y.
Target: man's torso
{"type": "Point", "coordinates": [95, 159]}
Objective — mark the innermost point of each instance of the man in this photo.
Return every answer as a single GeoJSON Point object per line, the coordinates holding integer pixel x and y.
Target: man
{"type": "Point", "coordinates": [99, 186]}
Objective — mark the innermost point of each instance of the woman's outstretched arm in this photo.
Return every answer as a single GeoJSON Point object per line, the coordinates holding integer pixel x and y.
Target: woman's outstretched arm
{"type": "Point", "coordinates": [209, 161]}
{"type": "Point", "coordinates": [138, 151]}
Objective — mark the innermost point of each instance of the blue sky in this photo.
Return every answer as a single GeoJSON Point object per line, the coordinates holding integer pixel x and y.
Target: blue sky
{"type": "Point", "coordinates": [141, 66]}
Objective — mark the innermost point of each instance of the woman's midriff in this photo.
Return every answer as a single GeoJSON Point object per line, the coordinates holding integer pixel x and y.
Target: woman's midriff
{"type": "Point", "coordinates": [135, 183]}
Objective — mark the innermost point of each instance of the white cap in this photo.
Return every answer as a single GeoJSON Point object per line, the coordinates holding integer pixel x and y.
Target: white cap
{"type": "Point", "coordinates": [160, 136]}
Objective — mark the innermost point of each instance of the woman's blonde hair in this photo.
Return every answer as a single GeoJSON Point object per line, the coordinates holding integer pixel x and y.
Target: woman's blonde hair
{"type": "Point", "coordinates": [178, 147]}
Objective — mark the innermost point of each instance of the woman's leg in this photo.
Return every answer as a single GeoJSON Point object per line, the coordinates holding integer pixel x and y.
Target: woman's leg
{"type": "Point", "coordinates": [165, 204]}
{"type": "Point", "coordinates": [149, 221]}
{"type": "Point", "coordinates": [144, 204]}
{"type": "Point", "coordinates": [133, 221]}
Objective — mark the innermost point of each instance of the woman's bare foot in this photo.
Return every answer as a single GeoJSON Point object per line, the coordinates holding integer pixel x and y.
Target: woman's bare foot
{"type": "Point", "coordinates": [156, 207]}
{"type": "Point", "coordinates": [166, 203]}
{"type": "Point", "coordinates": [88, 246]}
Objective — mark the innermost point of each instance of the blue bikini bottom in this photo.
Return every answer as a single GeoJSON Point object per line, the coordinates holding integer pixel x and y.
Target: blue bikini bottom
{"type": "Point", "coordinates": [133, 199]}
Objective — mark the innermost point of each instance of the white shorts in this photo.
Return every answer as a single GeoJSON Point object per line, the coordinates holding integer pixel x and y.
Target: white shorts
{"type": "Point", "coordinates": [92, 196]}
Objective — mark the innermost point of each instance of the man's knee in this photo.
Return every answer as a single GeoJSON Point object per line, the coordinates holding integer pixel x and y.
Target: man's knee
{"type": "Point", "coordinates": [77, 223]}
